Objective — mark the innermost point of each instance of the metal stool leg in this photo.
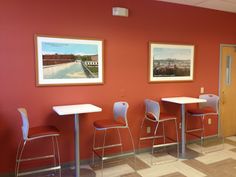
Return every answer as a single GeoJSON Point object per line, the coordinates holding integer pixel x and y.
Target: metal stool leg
{"type": "Point", "coordinates": [54, 153]}
{"type": "Point", "coordinates": [17, 156]}
{"type": "Point", "coordinates": [19, 159]}
{"type": "Point", "coordinates": [140, 135]}
{"type": "Point", "coordinates": [121, 148]}
{"type": "Point", "coordinates": [131, 137]}
{"type": "Point", "coordinates": [94, 141]}
{"type": "Point", "coordinates": [202, 133]}
{"type": "Point", "coordinates": [164, 135]}
{"type": "Point", "coordinates": [153, 141]}
{"type": "Point", "coordinates": [154, 134]}
{"type": "Point", "coordinates": [58, 156]}
{"type": "Point", "coordinates": [163, 132]}
{"type": "Point", "coordinates": [103, 149]}
{"type": "Point", "coordinates": [203, 130]}
{"type": "Point", "coordinates": [132, 141]}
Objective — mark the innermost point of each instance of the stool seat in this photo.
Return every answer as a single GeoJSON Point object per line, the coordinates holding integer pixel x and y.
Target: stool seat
{"type": "Point", "coordinates": [205, 110]}
{"type": "Point", "coordinates": [166, 116]}
{"type": "Point", "coordinates": [162, 116]}
{"type": "Point", "coordinates": [43, 131]}
{"type": "Point", "coordinates": [109, 123]}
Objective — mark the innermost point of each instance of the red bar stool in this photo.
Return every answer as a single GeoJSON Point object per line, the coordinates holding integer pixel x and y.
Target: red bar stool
{"type": "Point", "coordinates": [34, 133]}
{"type": "Point", "coordinates": [208, 108]}
{"type": "Point", "coordinates": [118, 122]}
{"type": "Point", "coordinates": [153, 115]}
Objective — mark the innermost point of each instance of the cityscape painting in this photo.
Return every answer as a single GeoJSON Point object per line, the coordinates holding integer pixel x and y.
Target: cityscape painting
{"type": "Point", "coordinates": [170, 62]}
{"type": "Point", "coordinates": [67, 61]}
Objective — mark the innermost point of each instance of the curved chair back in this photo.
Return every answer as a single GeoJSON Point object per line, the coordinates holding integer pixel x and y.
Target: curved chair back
{"type": "Point", "coordinates": [212, 101]}
{"type": "Point", "coordinates": [120, 111]}
{"type": "Point", "coordinates": [25, 122]}
{"type": "Point", "coordinates": [153, 108]}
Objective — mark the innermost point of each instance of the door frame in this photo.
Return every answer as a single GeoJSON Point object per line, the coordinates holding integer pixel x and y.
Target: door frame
{"type": "Point", "coordinates": [221, 48]}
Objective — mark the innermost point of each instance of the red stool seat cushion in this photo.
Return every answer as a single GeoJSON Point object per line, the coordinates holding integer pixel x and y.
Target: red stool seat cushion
{"type": "Point", "coordinates": [43, 131]}
{"type": "Point", "coordinates": [162, 116]}
{"type": "Point", "coordinates": [205, 110]}
{"type": "Point", "coordinates": [108, 123]}
{"type": "Point", "coordinates": [150, 116]}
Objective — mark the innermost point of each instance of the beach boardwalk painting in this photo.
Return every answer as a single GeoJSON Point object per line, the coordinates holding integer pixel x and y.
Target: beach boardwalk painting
{"type": "Point", "coordinates": [170, 62]}
{"type": "Point", "coordinates": [67, 61]}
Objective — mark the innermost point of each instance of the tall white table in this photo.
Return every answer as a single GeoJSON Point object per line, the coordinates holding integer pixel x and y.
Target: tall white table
{"type": "Point", "coordinates": [76, 110]}
{"type": "Point", "coordinates": [183, 101]}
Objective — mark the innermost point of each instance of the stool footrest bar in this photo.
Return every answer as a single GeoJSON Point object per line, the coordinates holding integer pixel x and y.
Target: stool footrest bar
{"type": "Point", "coordinates": [150, 137]}
{"type": "Point", "coordinates": [35, 158]}
{"type": "Point", "coordinates": [163, 145]}
{"type": "Point", "coordinates": [117, 156]}
{"type": "Point", "coordinates": [194, 130]}
{"type": "Point", "coordinates": [38, 171]}
{"type": "Point", "coordinates": [108, 146]}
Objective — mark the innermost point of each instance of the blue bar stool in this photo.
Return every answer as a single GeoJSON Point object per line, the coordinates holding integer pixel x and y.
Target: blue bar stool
{"type": "Point", "coordinates": [208, 108]}
{"type": "Point", "coordinates": [119, 121]}
{"type": "Point", "coordinates": [153, 115]}
{"type": "Point", "coordinates": [35, 133]}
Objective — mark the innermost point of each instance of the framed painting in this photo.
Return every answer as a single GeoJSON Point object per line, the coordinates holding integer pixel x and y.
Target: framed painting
{"type": "Point", "coordinates": [68, 61]}
{"type": "Point", "coordinates": [170, 62]}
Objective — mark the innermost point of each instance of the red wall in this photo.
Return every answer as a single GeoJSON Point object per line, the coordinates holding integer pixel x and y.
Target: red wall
{"type": "Point", "coordinates": [126, 62]}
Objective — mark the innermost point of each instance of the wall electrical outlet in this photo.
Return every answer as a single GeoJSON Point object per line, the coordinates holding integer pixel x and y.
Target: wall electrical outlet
{"type": "Point", "coordinates": [148, 129]}
{"type": "Point", "coordinates": [202, 90]}
{"type": "Point", "coordinates": [209, 121]}
{"type": "Point", "coordinates": [180, 125]}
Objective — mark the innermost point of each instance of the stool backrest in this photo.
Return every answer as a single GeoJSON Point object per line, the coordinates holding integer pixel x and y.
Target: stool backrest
{"type": "Point", "coordinates": [153, 108]}
{"type": "Point", "coordinates": [120, 111]}
{"type": "Point", "coordinates": [212, 101]}
{"type": "Point", "coordinates": [25, 122]}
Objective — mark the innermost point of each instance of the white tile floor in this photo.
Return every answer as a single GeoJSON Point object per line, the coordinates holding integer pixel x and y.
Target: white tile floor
{"type": "Point", "coordinates": [168, 164]}
{"type": "Point", "coordinates": [172, 167]}
{"type": "Point", "coordinates": [115, 171]}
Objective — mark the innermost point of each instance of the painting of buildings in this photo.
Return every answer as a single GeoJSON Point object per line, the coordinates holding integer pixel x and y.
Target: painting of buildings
{"type": "Point", "coordinates": [171, 62]}
{"type": "Point", "coordinates": [69, 60]}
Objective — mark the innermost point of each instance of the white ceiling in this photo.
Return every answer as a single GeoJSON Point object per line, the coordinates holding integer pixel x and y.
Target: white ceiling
{"type": "Point", "coordinates": [223, 5]}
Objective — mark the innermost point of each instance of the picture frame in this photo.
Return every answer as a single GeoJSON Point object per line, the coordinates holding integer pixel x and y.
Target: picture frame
{"type": "Point", "coordinates": [171, 62]}
{"type": "Point", "coordinates": [68, 61]}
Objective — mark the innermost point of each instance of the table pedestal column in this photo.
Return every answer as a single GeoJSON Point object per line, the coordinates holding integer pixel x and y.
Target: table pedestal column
{"type": "Point", "coordinates": [77, 155]}
{"type": "Point", "coordinates": [183, 129]}
{"type": "Point", "coordinates": [79, 172]}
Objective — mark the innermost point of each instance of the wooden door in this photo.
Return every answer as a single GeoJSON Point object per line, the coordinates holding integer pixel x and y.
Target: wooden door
{"type": "Point", "coordinates": [228, 90]}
